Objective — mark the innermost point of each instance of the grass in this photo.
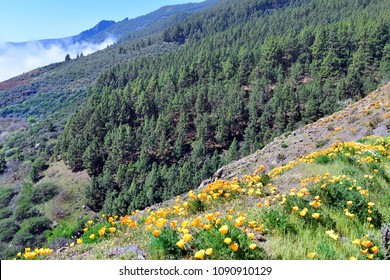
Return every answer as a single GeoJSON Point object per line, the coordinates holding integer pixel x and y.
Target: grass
{"type": "Point", "coordinates": [259, 213]}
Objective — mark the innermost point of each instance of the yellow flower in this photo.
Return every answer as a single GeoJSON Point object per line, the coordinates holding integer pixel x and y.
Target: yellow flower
{"type": "Point", "coordinates": [200, 254]}
{"type": "Point", "coordinates": [103, 216]}
{"type": "Point", "coordinates": [356, 242]}
{"type": "Point", "coordinates": [352, 259]}
{"type": "Point", "coordinates": [316, 215]}
{"type": "Point", "coordinates": [349, 203]}
{"type": "Point", "coordinates": [174, 223]}
{"type": "Point", "coordinates": [367, 243]}
{"type": "Point", "coordinates": [371, 226]}
{"type": "Point", "coordinates": [90, 222]}
{"type": "Point", "coordinates": [295, 208]}
{"type": "Point", "coordinates": [234, 247]}
{"type": "Point", "coordinates": [71, 244]}
{"type": "Point", "coordinates": [312, 255]}
{"type": "Point", "coordinates": [253, 246]}
{"type": "Point", "coordinates": [180, 243]}
{"type": "Point", "coordinates": [85, 229]}
{"type": "Point", "coordinates": [369, 219]}
{"type": "Point", "coordinates": [92, 236]}
{"type": "Point", "coordinates": [112, 229]}
{"type": "Point", "coordinates": [187, 237]}
{"type": "Point", "coordinates": [102, 231]}
{"type": "Point", "coordinates": [375, 249]}
{"type": "Point", "coordinates": [210, 217]}
{"type": "Point", "coordinates": [207, 227]}
{"type": "Point", "coordinates": [79, 241]}
{"type": "Point", "coordinates": [332, 234]}
{"type": "Point", "coordinates": [302, 213]}
{"type": "Point", "coordinates": [239, 221]}
{"type": "Point", "coordinates": [227, 240]}
{"type": "Point", "coordinates": [209, 251]}
{"type": "Point", "coordinates": [156, 232]}
{"type": "Point", "coordinates": [251, 235]}
{"type": "Point", "coordinates": [224, 229]}
{"type": "Point", "coordinates": [370, 256]}
{"type": "Point", "coordinates": [19, 254]}
{"type": "Point", "coordinates": [185, 223]}
{"type": "Point", "coordinates": [252, 224]}
{"type": "Point", "coordinates": [149, 227]}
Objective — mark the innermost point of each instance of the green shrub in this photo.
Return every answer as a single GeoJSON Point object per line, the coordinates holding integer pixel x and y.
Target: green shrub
{"type": "Point", "coordinates": [164, 246]}
{"type": "Point", "coordinates": [25, 211]}
{"type": "Point", "coordinates": [277, 220]}
{"type": "Point", "coordinates": [3, 163]}
{"type": "Point", "coordinates": [8, 228]}
{"type": "Point", "coordinates": [323, 159]}
{"type": "Point", "coordinates": [196, 205]}
{"type": "Point", "coordinates": [326, 251]}
{"type": "Point", "coordinates": [6, 195]}
{"type": "Point", "coordinates": [5, 213]}
{"type": "Point", "coordinates": [37, 167]}
{"type": "Point", "coordinates": [8, 252]}
{"type": "Point", "coordinates": [32, 232]}
{"type": "Point", "coordinates": [212, 238]}
{"type": "Point", "coordinates": [43, 192]}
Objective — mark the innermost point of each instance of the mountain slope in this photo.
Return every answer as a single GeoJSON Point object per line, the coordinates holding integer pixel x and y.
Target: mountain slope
{"type": "Point", "coordinates": [180, 116]}
{"type": "Point", "coordinates": [368, 116]}
{"type": "Point", "coordinates": [263, 213]}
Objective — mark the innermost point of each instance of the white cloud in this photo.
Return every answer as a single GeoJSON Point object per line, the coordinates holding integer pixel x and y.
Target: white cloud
{"type": "Point", "coordinates": [17, 59]}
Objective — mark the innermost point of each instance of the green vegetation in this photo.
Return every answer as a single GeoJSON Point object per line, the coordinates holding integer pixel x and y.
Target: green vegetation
{"type": "Point", "coordinates": [3, 163]}
{"type": "Point", "coordinates": [159, 125]}
{"type": "Point", "coordinates": [329, 215]}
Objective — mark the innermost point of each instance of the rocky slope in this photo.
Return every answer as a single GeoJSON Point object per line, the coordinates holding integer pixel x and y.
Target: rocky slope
{"type": "Point", "coordinates": [369, 116]}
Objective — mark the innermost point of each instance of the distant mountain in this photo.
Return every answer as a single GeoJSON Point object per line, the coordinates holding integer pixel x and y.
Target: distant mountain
{"type": "Point", "coordinates": [67, 41]}
{"type": "Point", "coordinates": [120, 30]}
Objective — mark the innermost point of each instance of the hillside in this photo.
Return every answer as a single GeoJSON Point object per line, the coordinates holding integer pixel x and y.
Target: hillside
{"type": "Point", "coordinates": [344, 189]}
{"type": "Point", "coordinates": [368, 116]}
{"type": "Point", "coordinates": [156, 126]}
{"type": "Point", "coordinates": [62, 78]}
{"type": "Point", "coordinates": [88, 137]}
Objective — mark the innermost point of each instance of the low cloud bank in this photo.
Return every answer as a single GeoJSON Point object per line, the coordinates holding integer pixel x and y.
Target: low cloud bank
{"type": "Point", "coordinates": [18, 59]}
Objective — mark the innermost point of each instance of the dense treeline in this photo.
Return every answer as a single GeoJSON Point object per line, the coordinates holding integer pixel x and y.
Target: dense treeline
{"type": "Point", "coordinates": [247, 72]}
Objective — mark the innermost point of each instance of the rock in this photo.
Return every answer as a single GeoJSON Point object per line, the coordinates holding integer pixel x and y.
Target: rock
{"type": "Point", "coordinates": [116, 252]}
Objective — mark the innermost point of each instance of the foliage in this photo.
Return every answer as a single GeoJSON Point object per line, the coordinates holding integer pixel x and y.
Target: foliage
{"type": "Point", "coordinates": [167, 122]}
{"type": "Point", "coordinates": [32, 232]}
{"type": "Point", "coordinates": [8, 228]}
{"type": "Point", "coordinates": [43, 192]}
{"type": "Point", "coordinates": [6, 195]}
{"type": "Point", "coordinates": [37, 167]}
{"type": "Point", "coordinates": [3, 163]}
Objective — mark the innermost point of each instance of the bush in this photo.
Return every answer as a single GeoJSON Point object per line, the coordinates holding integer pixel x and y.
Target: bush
{"type": "Point", "coordinates": [32, 232]}
{"type": "Point", "coordinates": [24, 211]}
{"type": "Point", "coordinates": [37, 167]}
{"type": "Point", "coordinates": [276, 220]}
{"type": "Point", "coordinates": [3, 163]}
{"type": "Point", "coordinates": [6, 195]}
{"type": "Point", "coordinates": [323, 159]}
{"type": "Point", "coordinates": [164, 246]}
{"type": "Point", "coordinates": [8, 228]}
{"type": "Point", "coordinates": [5, 213]}
{"type": "Point", "coordinates": [7, 252]}
{"type": "Point", "coordinates": [43, 192]}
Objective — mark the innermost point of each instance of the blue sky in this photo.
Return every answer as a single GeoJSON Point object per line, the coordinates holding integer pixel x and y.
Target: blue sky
{"type": "Point", "coordinates": [26, 20]}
